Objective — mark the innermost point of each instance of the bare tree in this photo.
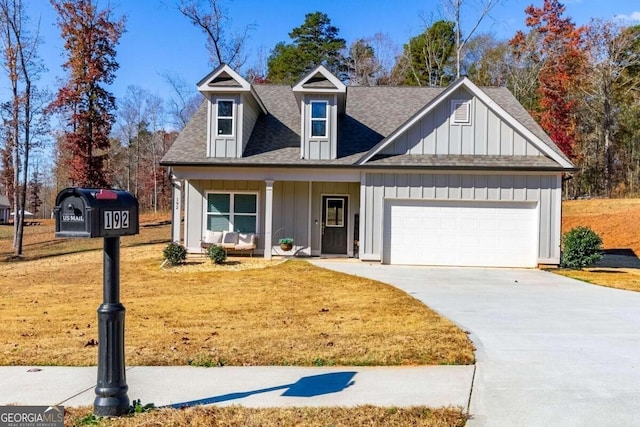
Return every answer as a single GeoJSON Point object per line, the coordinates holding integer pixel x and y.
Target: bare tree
{"type": "Point", "coordinates": [362, 65]}
{"type": "Point", "coordinates": [20, 60]}
{"type": "Point", "coordinates": [140, 129]}
{"type": "Point", "coordinates": [455, 9]}
{"type": "Point", "coordinates": [211, 18]}
{"type": "Point", "coordinates": [611, 55]}
{"type": "Point", "coordinates": [386, 52]}
{"type": "Point", "coordinates": [184, 102]}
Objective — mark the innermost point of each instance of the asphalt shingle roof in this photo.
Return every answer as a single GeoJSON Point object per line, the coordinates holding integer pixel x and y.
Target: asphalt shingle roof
{"type": "Point", "coordinates": [371, 114]}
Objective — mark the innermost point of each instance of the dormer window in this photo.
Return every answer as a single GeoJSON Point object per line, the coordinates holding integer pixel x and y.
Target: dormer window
{"type": "Point", "coordinates": [225, 118]}
{"type": "Point", "coordinates": [319, 119]}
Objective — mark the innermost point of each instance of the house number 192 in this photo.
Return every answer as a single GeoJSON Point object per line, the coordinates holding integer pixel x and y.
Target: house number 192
{"type": "Point", "coordinates": [115, 220]}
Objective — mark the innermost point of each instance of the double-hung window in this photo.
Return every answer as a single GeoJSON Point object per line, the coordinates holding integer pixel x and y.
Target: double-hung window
{"type": "Point", "coordinates": [232, 212]}
{"type": "Point", "coordinates": [225, 117]}
{"type": "Point", "coordinates": [319, 119]}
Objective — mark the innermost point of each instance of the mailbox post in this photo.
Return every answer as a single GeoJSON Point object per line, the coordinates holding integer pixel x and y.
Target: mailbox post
{"type": "Point", "coordinates": [90, 213]}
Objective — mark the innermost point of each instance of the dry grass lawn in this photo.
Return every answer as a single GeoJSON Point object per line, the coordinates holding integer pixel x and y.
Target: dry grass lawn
{"type": "Point", "coordinates": [619, 278]}
{"type": "Point", "coordinates": [233, 416]}
{"type": "Point", "coordinates": [613, 220]}
{"type": "Point", "coordinates": [283, 314]}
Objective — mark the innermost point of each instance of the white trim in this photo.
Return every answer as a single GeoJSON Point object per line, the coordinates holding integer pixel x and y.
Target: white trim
{"type": "Point", "coordinates": [489, 102]}
{"type": "Point", "coordinates": [303, 123]}
{"type": "Point", "coordinates": [409, 123]}
{"type": "Point", "coordinates": [339, 86]}
{"type": "Point", "coordinates": [187, 190]}
{"type": "Point", "coordinates": [387, 202]}
{"type": "Point", "coordinates": [349, 226]}
{"type": "Point", "coordinates": [210, 140]}
{"type": "Point", "coordinates": [203, 85]}
{"type": "Point", "coordinates": [268, 220]}
{"type": "Point", "coordinates": [325, 118]}
{"type": "Point", "coordinates": [268, 172]}
{"type": "Point", "coordinates": [176, 211]}
{"type": "Point", "coordinates": [341, 222]}
{"type": "Point", "coordinates": [245, 86]}
{"type": "Point", "coordinates": [363, 214]}
{"type": "Point", "coordinates": [205, 207]}
{"type": "Point", "coordinates": [463, 106]}
{"type": "Point", "coordinates": [310, 219]}
{"type": "Point", "coordinates": [232, 117]}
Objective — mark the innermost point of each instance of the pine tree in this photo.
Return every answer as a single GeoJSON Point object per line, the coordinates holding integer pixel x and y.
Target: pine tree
{"type": "Point", "coordinates": [315, 42]}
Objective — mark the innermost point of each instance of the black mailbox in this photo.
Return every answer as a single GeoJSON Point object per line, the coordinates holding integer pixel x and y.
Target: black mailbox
{"type": "Point", "coordinates": [93, 212]}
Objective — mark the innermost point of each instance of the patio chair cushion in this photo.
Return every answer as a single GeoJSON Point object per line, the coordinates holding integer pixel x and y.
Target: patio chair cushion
{"type": "Point", "coordinates": [229, 240]}
{"type": "Point", "coordinates": [246, 241]}
{"type": "Point", "coordinates": [211, 238]}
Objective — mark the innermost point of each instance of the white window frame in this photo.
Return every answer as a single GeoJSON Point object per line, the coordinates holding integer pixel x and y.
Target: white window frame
{"type": "Point", "coordinates": [325, 119]}
{"type": "Point", "coordinates": [455, 104]}
{"type": "Point", "coordinates": [231, 212]}
{"type": "Point", "coordinates": [232, 117]}
{"type": "Point", "coordinates": [344, 201]}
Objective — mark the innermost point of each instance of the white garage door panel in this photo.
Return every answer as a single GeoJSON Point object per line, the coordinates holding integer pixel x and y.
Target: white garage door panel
{"type": "Point", "coordinates": [491, 234]}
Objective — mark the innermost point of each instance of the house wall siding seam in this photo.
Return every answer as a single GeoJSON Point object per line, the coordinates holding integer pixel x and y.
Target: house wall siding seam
{"type": "Point", "coordinates": [320, 148]}
{"type": "Point", "coordinates": [250, 113]}
{"type": "Point", "coordinates": [197, 196]}
{"type": "Point", "coordinates": [290, 213]}
{"type": "Point", "coordinates": [351, 189]}
{"type": "Point", "coordinates": [543, 189]}
{"type": "Point", "coordinates": [225, 146]}
{"type": "Point", "coordinates": [486, 135]}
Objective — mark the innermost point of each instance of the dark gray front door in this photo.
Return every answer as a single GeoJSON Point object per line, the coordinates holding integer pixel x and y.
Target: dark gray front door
{"type": "Point", "coordinates": [334, 224]}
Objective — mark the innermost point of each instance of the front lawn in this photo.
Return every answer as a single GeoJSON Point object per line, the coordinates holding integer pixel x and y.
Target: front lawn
{"type": "Point", "coordinates": [619, 278]}
{"type": "Point", "coordinates": [284, 314]}
{"type": "Point", "coordinates": [249, 417]}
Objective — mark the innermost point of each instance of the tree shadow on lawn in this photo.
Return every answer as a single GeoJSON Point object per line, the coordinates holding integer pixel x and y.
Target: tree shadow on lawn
{"type": "Point", "coordinates": [618, 258]}
{"type": "Point", "coordinates": [311, 386]}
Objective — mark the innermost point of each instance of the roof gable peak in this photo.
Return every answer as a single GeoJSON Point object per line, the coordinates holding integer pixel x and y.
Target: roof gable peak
{"type": "Point", "coordinates": [483, 97]}
{"type": "Point", "coordinates": [319, 79]}
{"type": "Point", "coordinates": [223, 79]}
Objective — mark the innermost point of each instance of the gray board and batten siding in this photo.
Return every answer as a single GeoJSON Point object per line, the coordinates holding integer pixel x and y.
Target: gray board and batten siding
{"type": "Point", "coordinates": [484, 134]}
{"type": "Point", "coordinates": [245, 115]}
{"type": "Point", "coordinates": [297, 210]}
{"type": "Point", "coordinates": [545, 190]}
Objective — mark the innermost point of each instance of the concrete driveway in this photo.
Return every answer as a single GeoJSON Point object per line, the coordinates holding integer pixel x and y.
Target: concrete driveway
{"type": "Point", "coordinates": [551, 351]}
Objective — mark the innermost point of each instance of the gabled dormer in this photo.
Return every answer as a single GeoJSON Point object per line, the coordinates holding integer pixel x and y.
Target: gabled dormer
{"type": "Point", "coordinates": [321, 97]}
{"type": "Point", "coordinates": [233, 109]}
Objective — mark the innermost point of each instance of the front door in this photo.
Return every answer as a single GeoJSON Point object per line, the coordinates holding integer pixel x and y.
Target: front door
{"type": "Point", "coordinates": [334, 224]}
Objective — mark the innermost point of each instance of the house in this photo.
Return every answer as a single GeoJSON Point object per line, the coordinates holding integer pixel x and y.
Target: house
{"type": "Point", "coordinates": [461, 175]}
{"type": "Point", "coordinates": [4, 209]}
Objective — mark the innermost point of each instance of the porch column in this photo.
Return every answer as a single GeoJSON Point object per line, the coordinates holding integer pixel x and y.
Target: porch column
{"type": "Point", "coordinates": [268, 219]}
{"type": "Point", "coordinates": [176, 213]}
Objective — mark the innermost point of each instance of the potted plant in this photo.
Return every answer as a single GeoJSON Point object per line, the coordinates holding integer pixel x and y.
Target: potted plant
{"type": "Point", "coordinates": [286, 244]}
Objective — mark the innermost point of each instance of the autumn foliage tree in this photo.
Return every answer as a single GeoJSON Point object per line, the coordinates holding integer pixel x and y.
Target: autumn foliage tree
{"type": "Point", "coordinates": [560, 53]}
{"type": "Point", "coordinates": [87, 107]}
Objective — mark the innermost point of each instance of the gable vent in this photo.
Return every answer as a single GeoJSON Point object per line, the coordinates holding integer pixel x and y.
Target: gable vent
{"type": "Point", "coordinates": [461, 112]}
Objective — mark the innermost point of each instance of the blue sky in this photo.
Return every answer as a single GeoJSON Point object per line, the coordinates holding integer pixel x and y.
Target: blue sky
{"type": "Point", "coordinates": [159, 39]}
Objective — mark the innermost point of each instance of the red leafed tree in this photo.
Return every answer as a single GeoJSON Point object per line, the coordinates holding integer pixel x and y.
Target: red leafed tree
{"type": "Point", "coordinates": [87, 107]}
{"type": "Point", "coordinates": [560, 50]}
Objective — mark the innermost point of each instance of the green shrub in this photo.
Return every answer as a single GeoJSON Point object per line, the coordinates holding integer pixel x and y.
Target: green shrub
{"type": "Point", "coordinates": [581, 246]}
{"type": "Point", "coordinates": [217, 254]}
{"type": "Point", "coordinates": [175, 253]}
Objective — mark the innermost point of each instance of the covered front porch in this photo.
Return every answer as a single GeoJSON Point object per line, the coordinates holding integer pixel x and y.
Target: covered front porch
{"type": "Point", "coordinates": [318, 210]}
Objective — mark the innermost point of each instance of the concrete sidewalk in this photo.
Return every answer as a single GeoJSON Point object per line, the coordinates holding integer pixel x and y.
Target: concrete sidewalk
{"type": "Point", "coordinates": [433, 386]}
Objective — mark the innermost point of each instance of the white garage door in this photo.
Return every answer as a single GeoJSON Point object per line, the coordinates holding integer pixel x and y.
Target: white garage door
{"type": "Point", "coordinates": [457, 233]}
